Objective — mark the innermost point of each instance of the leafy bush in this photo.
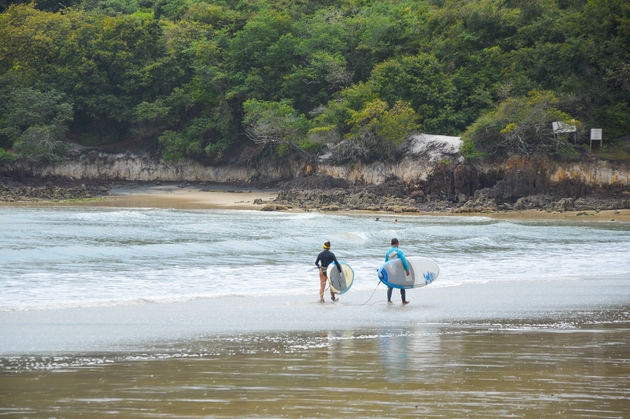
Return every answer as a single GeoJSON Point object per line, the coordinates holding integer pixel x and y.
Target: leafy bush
{"type": "Point", "coordinates": [33, 122]}
{"type": "Point", "coordinates": [376, 132]}
{"type": "Point", "coordinates": [519, 125]}
{"type": "Point", "coordinates": [277, 123]}
{"type": "Point", "coordinates": [196, 140]}
{"type": "Point", "coordinates": [6, 156]}
{"type": "Point", "coordinates": [41, 142]}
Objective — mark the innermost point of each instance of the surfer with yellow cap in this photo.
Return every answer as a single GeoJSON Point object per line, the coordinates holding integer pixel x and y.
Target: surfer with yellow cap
{"type": "Point", "coordinates": [326, 257]}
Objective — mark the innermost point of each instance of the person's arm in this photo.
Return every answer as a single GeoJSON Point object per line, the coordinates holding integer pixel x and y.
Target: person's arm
{"type": "Point", "coordinates": [337, 263]}
{"type": "Point", "coordinates": [401, 255]}
{"type": "Point", "coordinates": [317, 260]}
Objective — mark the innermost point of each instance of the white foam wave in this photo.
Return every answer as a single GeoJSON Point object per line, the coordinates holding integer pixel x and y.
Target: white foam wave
{"type": "Point", "coordinates": [83, 257]}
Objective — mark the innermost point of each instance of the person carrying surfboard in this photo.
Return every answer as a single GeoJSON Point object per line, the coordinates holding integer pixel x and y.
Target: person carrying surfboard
{"type": "Point", "coordinates": [326, 257]}
{"type": "Point", "coordinates": [393, 253]}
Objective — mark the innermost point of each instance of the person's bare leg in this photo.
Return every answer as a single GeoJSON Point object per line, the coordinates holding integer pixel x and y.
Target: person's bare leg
{"type": "Point", "coordinates": [322, 285]}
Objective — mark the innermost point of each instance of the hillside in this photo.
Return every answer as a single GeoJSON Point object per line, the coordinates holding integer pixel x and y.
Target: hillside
{"type": "Point", "coordinates": [234, 81]}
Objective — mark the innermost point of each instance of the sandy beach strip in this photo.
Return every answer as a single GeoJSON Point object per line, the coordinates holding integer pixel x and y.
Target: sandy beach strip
{"type": "Point", "coordinates": [167, 196]}
{"type": "Point", "coordinates": [133, 325]}
{"type": "Point", "coordinates": [178, 196]}
{"type": "Point", "coordinates": [189, 198]}
{"type": "Point", "coordinates": [528, 349]}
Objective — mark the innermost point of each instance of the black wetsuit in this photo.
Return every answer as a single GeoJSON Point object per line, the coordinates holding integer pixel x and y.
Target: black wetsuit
{"type": "Point", "coordinates": [326, 258]}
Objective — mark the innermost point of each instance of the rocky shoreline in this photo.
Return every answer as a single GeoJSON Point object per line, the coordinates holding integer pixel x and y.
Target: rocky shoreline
{"type": "Point", "coordinates": [330, 194]}
{"type": "Point", "coordinates": [342, 200]}
{"type": "Point", "coordinates": [55, 189]}
{"type": "Point", "coordinates": [431, 177]}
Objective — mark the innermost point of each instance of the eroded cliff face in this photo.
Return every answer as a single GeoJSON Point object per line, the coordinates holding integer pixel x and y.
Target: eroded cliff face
{"type": "Point", "coordinates": [591, 173]}
{"type": "Point", "coordinates": [540, 174]}
{"type": "Point", "coordinates": [141, 168]}
{"type": "Point", "coordinates": [443, 176]}
{"type": "Point", "coordinates": [409, 169]}
{"type": "Point", "coordinates": [515, 177]}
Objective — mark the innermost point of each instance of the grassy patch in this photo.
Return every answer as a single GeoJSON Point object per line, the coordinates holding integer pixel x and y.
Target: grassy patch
{"type": "Point", "coordinates": [98, 199]}
{"type": "Point", "coordinates": [614, 152]}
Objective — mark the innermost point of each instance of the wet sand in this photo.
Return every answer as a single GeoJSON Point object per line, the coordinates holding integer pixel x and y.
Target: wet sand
{"type": "Point", "coordinates": [558, 348]}
{"type": "Point", "coordinates": [622, 215]}
{"type": "Point", "coordinates": [468, 370]}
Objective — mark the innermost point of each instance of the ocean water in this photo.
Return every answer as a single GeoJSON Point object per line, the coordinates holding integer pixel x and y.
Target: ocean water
{"type": "Point", "coordinates": [57, 258]}
{"type": "Point", "coordinates": [179, 313]}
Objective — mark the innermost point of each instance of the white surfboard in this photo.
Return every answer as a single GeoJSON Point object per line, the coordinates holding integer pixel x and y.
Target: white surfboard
{"type": "Point", "coordinates": [422, 272]}
{"type": "Point", "coordinates": [340, 282]}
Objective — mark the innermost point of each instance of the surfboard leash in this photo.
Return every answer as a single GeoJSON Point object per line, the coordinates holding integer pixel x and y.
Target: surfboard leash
{"type": "Point", "coordinates": [372, 295]}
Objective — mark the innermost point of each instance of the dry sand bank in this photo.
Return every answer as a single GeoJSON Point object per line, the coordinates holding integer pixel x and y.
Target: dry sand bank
{"type": "Point", "coordinates": [190, 199]}
{"type": "Point", "coordinates": [166, 196]}
{"type": "Point", "coordinates": [222, 197]}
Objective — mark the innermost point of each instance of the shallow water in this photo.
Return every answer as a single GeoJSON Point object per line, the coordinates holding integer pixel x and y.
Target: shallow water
{"type": "Point", "coordinates": [433, 370]}
{"type": "Point", "coordinates": [82, 257]}
{"type": "Point", "coordinates": [150, 312]}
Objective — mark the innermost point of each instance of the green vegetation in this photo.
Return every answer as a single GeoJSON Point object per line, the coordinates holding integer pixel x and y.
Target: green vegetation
{"type": "Point", "coordinates": [521, 125]}
{"type": "Point", "coordinates": [83, 200]}
{"type": "Point", "coordinates": [201, 79]}
{"type": "Point", "coordinates": [614, 152]}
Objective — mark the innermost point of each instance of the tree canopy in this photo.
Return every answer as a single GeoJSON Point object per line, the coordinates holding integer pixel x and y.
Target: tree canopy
{"type": "Point", "coordinates": [200, 78]}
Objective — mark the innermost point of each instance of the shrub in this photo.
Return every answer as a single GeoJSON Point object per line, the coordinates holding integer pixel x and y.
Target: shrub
{"type": "Point", "coordinates": [518, 125]}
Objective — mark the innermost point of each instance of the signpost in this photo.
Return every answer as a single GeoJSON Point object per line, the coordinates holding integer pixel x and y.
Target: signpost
{"type": "Point", "coordinates": [596, 135]}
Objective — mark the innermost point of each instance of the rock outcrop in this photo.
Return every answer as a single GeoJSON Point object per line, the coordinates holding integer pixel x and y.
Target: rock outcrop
{"type": "Point", "coordinates": [431, 175]}
{"type": "Point", "coordinates": [55, 190]}
{"type": "Point", "coordinates": [100, 166]}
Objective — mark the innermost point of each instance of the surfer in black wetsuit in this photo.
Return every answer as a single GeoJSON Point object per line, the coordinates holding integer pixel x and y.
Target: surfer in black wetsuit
{"type": "Point", "coordinates": [326, 257]}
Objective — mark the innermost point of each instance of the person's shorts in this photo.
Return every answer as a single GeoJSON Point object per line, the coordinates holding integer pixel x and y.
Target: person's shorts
{"type": "Point", "coordinates": [324, 271]}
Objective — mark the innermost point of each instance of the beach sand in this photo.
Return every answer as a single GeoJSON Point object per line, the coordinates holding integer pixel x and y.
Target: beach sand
{"type": "Point", "coordinates": [166, 196]}
{"type": "Point", "coordinates": [431, 371]}
{"type": "Point", "coordinates": [526, 349]}
{"type": "Point", "coordinates": [188, 196]}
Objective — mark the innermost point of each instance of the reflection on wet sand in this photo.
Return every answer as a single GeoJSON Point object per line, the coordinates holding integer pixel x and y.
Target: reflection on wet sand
{"type": "Point", "coordinates": [535, 369]}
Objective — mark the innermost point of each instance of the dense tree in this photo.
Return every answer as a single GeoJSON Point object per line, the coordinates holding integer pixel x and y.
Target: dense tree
{"type": "Point", "coordinates": [420, 81]}
{"type": "Point", "coordinates": [191, 78]}
{"type": "Point", "coordinates": [33, 122]}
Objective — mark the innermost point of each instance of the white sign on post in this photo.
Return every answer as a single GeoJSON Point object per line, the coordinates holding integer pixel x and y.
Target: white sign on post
{"type": "Point", "coordinates": [596, 134]}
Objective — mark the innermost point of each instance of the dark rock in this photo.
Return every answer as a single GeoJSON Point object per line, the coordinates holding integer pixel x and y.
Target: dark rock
{"type": "Point", "coordinates": [273, 207]}
{"type": "Point", "coordinates": [564, 204]}
{"type": "Point", "coordinates": [315, 182]}
{"type": "Point", "coordinates": [532, 202]}
{"type": "Point", "coordinates": [33, 189]}
{"type": "Point", "coordinates": [330, 208]}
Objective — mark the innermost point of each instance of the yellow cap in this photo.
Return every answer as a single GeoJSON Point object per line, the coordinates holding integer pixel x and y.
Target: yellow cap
{"type": "Point", "coordinates": [326, 247]}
